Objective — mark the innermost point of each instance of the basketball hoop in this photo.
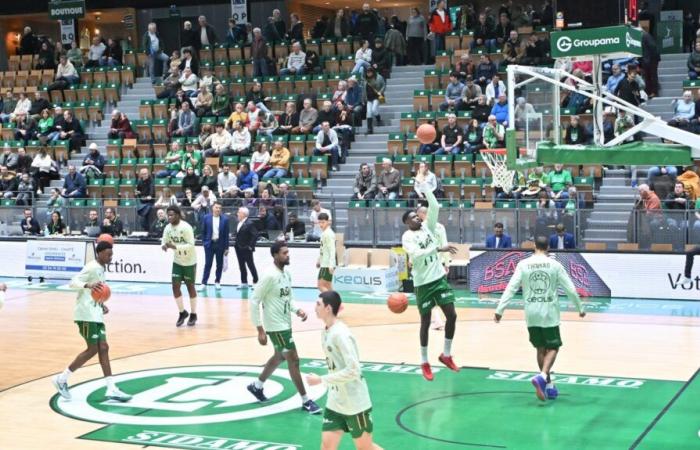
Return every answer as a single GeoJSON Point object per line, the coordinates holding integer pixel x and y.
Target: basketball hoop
{"type": "Point", "coordinates": [495, 158]}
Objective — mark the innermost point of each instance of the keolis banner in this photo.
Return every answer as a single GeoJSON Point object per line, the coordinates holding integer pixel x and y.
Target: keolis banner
{"type": "Point", "coordinates": [619, 40]}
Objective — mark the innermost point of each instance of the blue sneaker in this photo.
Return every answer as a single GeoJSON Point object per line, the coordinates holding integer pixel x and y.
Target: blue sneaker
{"type": "Point", "coordinates": [540, 385]}
{"type": "Point", "coordinates": [551, 392]}
{"type": "Point", "coordinates": [311, 407]}
{"type": "Point", "coordinates": [258, 393]}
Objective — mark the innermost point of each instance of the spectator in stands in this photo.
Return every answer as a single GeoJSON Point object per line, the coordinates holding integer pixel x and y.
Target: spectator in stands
{"type": "Point", "coordinates": [120, 127]}
{"type": "Point", "coordinates": [187, 198]}
{"type": "Point", "coordinates": [189, 83]}
{"type": "Point", "coordinates": [247, 180]}
{"type": "Point", "coordinates": [204, 202]}
{"type": "Point", "coordinates": [112, 224]}
{"type": "Point", "coordinates": [628, 88]}
{"type": "Point", "coordinates": [8, 183]}
{"type": "Point", "coordinates": [95, 52]}
{"type": "Point", "coordinates": [381, 58]}
{"type": "Point", "coordinates": [186, 120]}
{"type": "Point", "coordinates": [453, 94]}
{"type": "Point", "coordinates": [656, 171]}
{"type": "Point", "coordinates": [260, 160]}
{"type": "Point", "coordinates": [429, 149]}
{"type": "Point", "coordinates": [327, 144]}
{"type": "Point", "coordinates": [279, 162]}
{"type": "Point", "coordinates": [694, 62]}
{"type": "Point", "coordinates": [173, 162]}
{"type": "Point", "coordinates": [270, 32]}
{"type": "Point", "coordinates": [363, 58]}
{"type": "Point", "coordinates": [388, 182]}
{"type": "Point", "coordinates": [503, 31]}
{"type": "Point", "coordinates": [575, 133]}
{"type": "Point", "coordinates": [255, 117]}
{"type": "Point", "coordinates": [485, 72]}
{"type": "Point", "coordinates": [29, 43]}
{"type": "Point", "coordinates": [54, 203]}
{"type": "Point", "coordinates": [189, 37]}
{"type": "Point", "coordinates": [312, 63]}
{"type": "Point", "coordinates": [338, 27]}
{"type": "Point", "coordinates": [24, 161]}
{"type": "Point", "coordinates": [559, 181]}
{"type": "Point", "coordinates": [353, 98]}
{"type": "Point", "coordinates": [365, 186]}
{"type": "Point", "coordinates": [256, 95]}
{"type": "Point", "coordinates": [145, 193]}
{"type": "Point", "coordinates": [55, 226]}
{"type": "Point", "coordinates": [220, 107]}
{"type": "Point", "coordinates": [562, 240]}
{"type": "Point", "coordinates": [316, 209]}
{"type": "Point", "coordinates": [416, 33]}
{"type": "Point", "coordinates": [494, 89]}
{"type": "Point", "coordinates": [535, 54]}
{"type": "Point", "coordinates": [649, 201]}
{"type": "Point", "coordinates": [424, 179]}
{"type": "Point", "coordinates": [192, 158]}
{"type": "Point", "coordinates": [8, 106]}
{"type": "Point", "coordinates": [240, 139]}
{"type": "Point", "coordinates": [44, 60]}
{"type": "Point", "coordinates": [513, 49]}
{"type": "Point", "coordinates": [683, 111]}
{"type": "Point", "coordinates": [190, 181]}
{"type": "Point", "coordinates": [366, 24]}
{"type": "Point", "coordinates": [75, 56]}
{"type": "Point", "coordinates": [158, 225]}
{"type": "Point", "coordinates": [45, 128]}
{"type": "Point", "coordinates": [226, 183]}
{"type": "Point", "coordinates": [325, 114]}
{"type": "Point", "coordinates": [623, 123]}
{"type": "Point", "coordinates": [25, 190]}
{"type": "Point", "coordinates": [171, 84]}
{"type": "Point", "coordinates": [473, 139]}
{"type": "Point", "coordinates": [167, 198]}
{"type": "Point", "coordinates": [296, 29]}
{"type": "Point", "coordinates": [614, 79]}
{"type": "Point", "coordinates": [66, 75]}
{"type": "Point", "coordinates": [258, 53]}
{"type": "Point", "coordinates": [205, 135]}
{"type": "Point", "coordinates": [71, 130]}
{"type": "Point", "coordinates": [500, 109]}
{"type": "Point", "coordinates": [374, 93]}
{"type": "Point", "coordinates": [464, 68]}
{"type": "Point", "coordinates": [279, 23]}
{"type": "Point", "coordinates": [307, 118]}
{"type": "Point", "coordinates": [113, 54]}
{"type": "Point", "coordinates": [395, 44]}
{"type": "Point", "coordinates": [319, 28]}
{"type": "Point", "coordinates": [295, 226]}
{"type": "Point", "coordinates": [23, 105]}
{"type": "Point", "coordinates": [153, 46]}
{"type": "Point", "coordinates": [44, 170]}
{"type": "Point", "coordinates": [289, 120]}
{"type": "Point", "coordinates": [220, 142]}
{"type": "Point", "coordinates": [25, 128]}
{"type": "Point", "coordinates": [268, 125]}
{"type": "Point", "coordinates": [676, 203]}
{"type": "Point", "coordinates": [494, 133]}
{"type": "Point", "coordinates": [452, 137]}
{"type": "Point", "coordinates": [74, 185]}
{"type": "Point", "coordinates": [207, 34]}
{"type": "Point", "coordinates": [9, 159]}
{"type": "Point", "coordinates": [203, 102]}
{"type": "Point", "coordinates": [29, 224]}
{"type": "Point", "coordinates": [440, 24]}
{"type": "Point", "coordinates": [38, 105]}
{"type": "Point", "coordinates": [524, 112]}
{"type": "Point", "coordinates": [498, 239]}
{"type": "Point", "coordinates": [295, 61]}
{"type": "Point", "coordinates": [188, 62]}
{"type": "Point", "coordinates": [484, 35]}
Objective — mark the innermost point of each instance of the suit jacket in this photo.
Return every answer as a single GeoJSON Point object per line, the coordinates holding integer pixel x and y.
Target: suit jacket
{"type": "Point", "coordinates": [32, 228]}
{"type": "Point", "coordinates": [569, 241]}
{"type": "Point", "coordinates": [247, 235]}
{"type": "Point", "coordinates": [208, 231]}
{"type": "Point", "coordinates": [505, 241]}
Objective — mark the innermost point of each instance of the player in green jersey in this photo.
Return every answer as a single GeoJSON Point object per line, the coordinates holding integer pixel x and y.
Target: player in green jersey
{"type": "Point", "coordinates": [441, 237]}
{"type": "Point", "coordinates": [420, 243]}
{"type": "Point", "coordinates": [326, 258]}
{"type": "Point", "coordinates": [540, 278]}
{"type": "Point", "coordinates": [274, 293]}
{"type": "Point", "coordinates": [179, 236]}
{"type": "Point", "coordinates": [348, 408]}
{"type": "Point", "coordinates": [89, 316]}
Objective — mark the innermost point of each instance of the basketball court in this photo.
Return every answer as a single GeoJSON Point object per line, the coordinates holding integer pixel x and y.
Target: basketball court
{"type": "Point", "coordinates": [627, 375]}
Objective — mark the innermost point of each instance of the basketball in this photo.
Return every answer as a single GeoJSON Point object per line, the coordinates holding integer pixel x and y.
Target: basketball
{"type": "Point", "coordinates": [426, 133]}
{"type": "Point", "coordinates": [397, 302]}
{"type": "Point", "coordinates": [104, 237]}
{"type": "Point", "coordinates": [102, 293]}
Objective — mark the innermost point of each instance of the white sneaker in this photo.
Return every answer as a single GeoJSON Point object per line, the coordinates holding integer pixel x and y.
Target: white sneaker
{"type": "Point", "coordinates": [202, 287]}
{"type": "Point", "coordinates": [116, 394]}
{"type": "Point", "coordinates": [61, 387]}
{"type": "Point", "coordinates": [243, 286]}
{"type": "Point", "coordinates": [218, 286]}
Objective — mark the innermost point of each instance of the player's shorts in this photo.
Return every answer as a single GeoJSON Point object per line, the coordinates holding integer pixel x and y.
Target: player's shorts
{"type": "Point", "coordinates": [282, 341]}
{"type": "Point", "coordinates": [325, 274]}
{"type": "Point", "coordinates": [92, 332]}
{"type": "Point", "coordinates": [355, 424]}
{"type": "Point", "coordinates": [545, 337]}
{"type": "Point", "coordinates": [433, 294]}
{"type": "Point", "coordinates": [184, 273]}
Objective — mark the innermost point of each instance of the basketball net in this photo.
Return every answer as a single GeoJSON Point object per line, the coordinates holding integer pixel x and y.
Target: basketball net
{"type": "Point", "coordinates": [501, 176]}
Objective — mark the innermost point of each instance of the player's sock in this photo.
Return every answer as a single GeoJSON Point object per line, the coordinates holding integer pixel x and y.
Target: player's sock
{"type": "Point", "coordinates": [448, 347]}
{"type": "Point", "coordinates": [424, 354]}
{"type": "Point", "coordinates": [304, 398]}
{"type": "Point", "coordinates": [63, 377]}
{"type": "Point", "coordinates": [110, 383]}
{"type": "Point", "coordinates": [258, 384]}
{"type": "Point", "coordinates": [180, 306]}
{"type": "Point", "coordinates": [543, 375]}
{"type": "Point", "coordinates": [193, 305]}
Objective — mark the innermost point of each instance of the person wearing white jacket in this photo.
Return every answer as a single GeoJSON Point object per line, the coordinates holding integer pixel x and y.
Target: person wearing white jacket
{"type": "Point", "coordinates": [23, 105]}
{"type": "Point", "coordinates": [189, 82]}
{"type": "Point", "coordinates": [295, 61]}
{"type": "Point", "coordinates": [363, 58]}
{"type": "Point", "coordinates": [240, 139]}
{"type": "Point", "coordinates": [494, 89]}
{"type": "Point", "coordinates": [220, 142]}
{"type": "Point", "coordinates": [327, 143]}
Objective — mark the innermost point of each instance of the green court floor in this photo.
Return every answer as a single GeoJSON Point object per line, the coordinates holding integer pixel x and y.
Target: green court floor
{"type": "Point", "coordinates": [475, 408]}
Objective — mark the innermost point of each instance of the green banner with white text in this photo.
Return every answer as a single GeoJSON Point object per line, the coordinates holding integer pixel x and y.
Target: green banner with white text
{"type": "Point", "coordinates": [596, 41]}
{"type": "Point", "coordinates": [65, 10]}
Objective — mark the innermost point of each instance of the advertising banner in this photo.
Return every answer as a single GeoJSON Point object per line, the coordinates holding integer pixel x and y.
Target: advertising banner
{"type": "Point", "coordinates": [239, 11]}
{"type": "Point", "coordinates": [366, 280]}
{"type": "Point", "coordinates": [63, 10]}
{"type": "Point", "coordinates": [55, 258]}
{"type": "Point", "coordinates": [597, 41]}
{"type": "Point", "coordinates": [67, 31]}
{"type": "Point", "coordinates": [669, 37]}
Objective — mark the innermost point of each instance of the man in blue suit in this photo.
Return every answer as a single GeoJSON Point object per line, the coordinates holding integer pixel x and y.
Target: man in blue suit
{"type": "Point", "coordinates": [215, 237]}
{"type": "Point", "coordinates": [561, 239]}
{"type": "Point", "coordinates": [498, 239]}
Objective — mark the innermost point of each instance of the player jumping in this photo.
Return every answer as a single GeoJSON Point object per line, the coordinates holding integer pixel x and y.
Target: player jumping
{"type": "Point", "coordinates": [274, 293]}
{"type": "Point", "coordinates": [348, 408]}
{"type": "Point", "coordinates": [429, 279]}
{"type": "Point", "coordinates": [178, 235]}
{"type": "Point", "coordinates": [540, 277]}
{"type": "Point", "coordinates": [326, 258]}
{"type": "Point", "coordinates": [89, 316]}
{"type": "Point", "coordinates": [441, 237]}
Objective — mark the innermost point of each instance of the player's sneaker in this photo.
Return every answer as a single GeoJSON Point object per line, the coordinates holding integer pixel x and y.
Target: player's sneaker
{"type": "Point", "coordinates": [202, 287]}
{"type": "Point", "coordinates": [311, 407]}
{"type": "Point", "coordinates": [61, 387]}
{"type": "Point", "coordinates": [437, 323]}
{"type": "Point", "coordinates": [540, 385]}
{"type": "Point", "coordinates": [217, 286]}
{"type": "Point", "coordinates": [551, 392]}
{"type": "Point", "coordinates": [427, 371]}
{"type": "Point", "coordinates": [181, 318]}
{"type": "Point", "coordinates": [257, 392]}
{"type": "Point", "coordinates": [449, 362]}
{"type": "Point", "coordinates": [193, 320]}
{"type": "Point", "coordinates": [243, 286]}
{"type": "Point", "coordinates": [116, 394]}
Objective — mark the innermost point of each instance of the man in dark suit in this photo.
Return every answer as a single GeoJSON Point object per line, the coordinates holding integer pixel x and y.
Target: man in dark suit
{"type": "Point", "coordinates": [246, 235]}
{"type": "Point", "coordinates": [561, 239]}
{"type": "Point", "coordinates": [215, 238]}
{"type": "Point", "coordinates": [498, 239]}
{"type": "Point", "coordinates": [29, 224]}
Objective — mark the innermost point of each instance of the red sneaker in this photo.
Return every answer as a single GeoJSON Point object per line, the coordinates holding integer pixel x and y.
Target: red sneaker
{"type": "Point", "coordinates": [427, 371]}
{"type": "Point", "coordinates": [447, 360]}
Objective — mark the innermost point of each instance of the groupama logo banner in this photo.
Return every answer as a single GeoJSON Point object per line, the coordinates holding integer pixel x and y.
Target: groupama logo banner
{"type": "Point", "coordinates": [597, 41]}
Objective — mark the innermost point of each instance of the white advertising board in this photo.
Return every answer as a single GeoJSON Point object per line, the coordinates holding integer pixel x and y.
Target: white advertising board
{"type": "Point", "coordinates": [53, 258]}
{"type": "Point", "coordinates": [366, 280]}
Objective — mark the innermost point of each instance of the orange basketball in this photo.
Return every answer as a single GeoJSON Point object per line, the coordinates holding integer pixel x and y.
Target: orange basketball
{"type": "Point", "coordinates": [426, 133]}
{"type": "Point", "coordinates": [104, 237]}
{"type": "Point", "coordinates": [397, 302]}
{"type": "Point", "coordinates": [102, 293]}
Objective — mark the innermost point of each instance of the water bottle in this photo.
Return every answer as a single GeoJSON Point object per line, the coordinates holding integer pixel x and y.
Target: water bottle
{"type": "Point", "coordinates": [46, 231]}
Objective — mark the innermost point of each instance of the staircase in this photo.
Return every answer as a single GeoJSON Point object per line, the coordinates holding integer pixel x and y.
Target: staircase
{"type": "Point", "coordinates": [672, 72]}
{"type": "Point", "coordinates": [399, 98]}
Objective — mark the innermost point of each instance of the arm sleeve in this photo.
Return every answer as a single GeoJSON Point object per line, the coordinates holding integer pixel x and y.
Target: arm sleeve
{"type": "Point", "coordinates": [511, 289]}
{"type": "Point", "coordinates": [433, 210]}
{"type": "Point", "coordinates": [78, 281]}
{"type": "Point", "coordinates": [259, 293]}
{"type": "Point", "coordinates": [569, 288]}
{"type": "Point", "coordinates": [351, 371]}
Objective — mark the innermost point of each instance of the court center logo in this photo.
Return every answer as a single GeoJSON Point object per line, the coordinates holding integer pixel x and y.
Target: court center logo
{"type": "Point", "coordinates": [191, 395]}
{"type": "Point", "coordinates": [564, 44]}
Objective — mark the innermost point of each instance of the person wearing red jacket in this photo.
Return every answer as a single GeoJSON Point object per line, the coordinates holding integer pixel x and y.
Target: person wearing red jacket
{"type": "Point", "coordinates": [440, 24]}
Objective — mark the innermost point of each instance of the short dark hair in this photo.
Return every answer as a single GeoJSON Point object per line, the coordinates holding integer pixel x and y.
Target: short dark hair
{"type": "Point", "coordinates": [219, 124]}
{"type": "Point", "coordinates": [498, 225]}
{"type": "Point", "coordinates": [277, 247]}
{"type": "Point", "coordinates": [542, 243]}
{"type": "Point", "coordinates": [102, 246]}
{"type": "Point", "coordinates": [323, 216]}
{"type": "Point", "coordinates": [175, 209]}
{"type": "Point", "coordinates": [332, 299]}
{"type": "Point", "coordinates": [404, 218]}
